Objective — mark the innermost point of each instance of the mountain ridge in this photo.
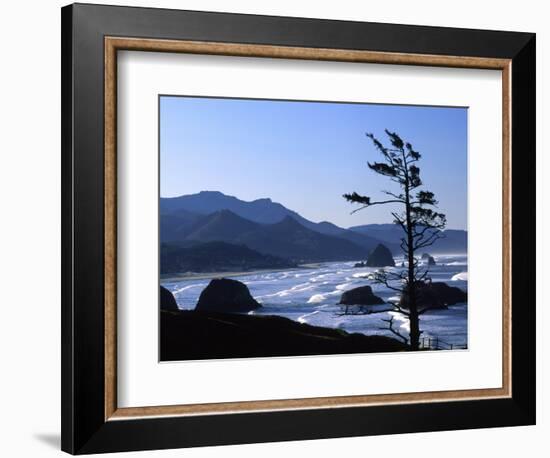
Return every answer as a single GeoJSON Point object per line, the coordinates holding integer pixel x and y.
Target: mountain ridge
{"type": "Point", "coordinates": [193, 217]}
{"type": "Point", "coordinates": [286, 239]}
{"type": "Point", "coordinates": [263, 211]}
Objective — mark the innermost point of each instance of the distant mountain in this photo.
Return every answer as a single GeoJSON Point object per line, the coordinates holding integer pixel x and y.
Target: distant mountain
{"type": "Point", "coordinates": [290, 239]}
{"type": "Point", "coordinates": [285, 239]}
{"type": "Point", "coordinates": [366, 241]}
{"type": "Point", "coordinates": [173, 225]}
{"type": "Point", "coordinates": [216, 257]}
{"type": "Point", "coordinates": [384, 232]}
{"type": "Point", "coordinates": [213, 216]}
{"type": "Point", "coordinates": [453, 240]}
{"type": "Point", "coordinates": [178, 214]}
{"type": "Point", "coordinates": [223, 225]}
{"type": "Point", "coordinates": [263, 211]}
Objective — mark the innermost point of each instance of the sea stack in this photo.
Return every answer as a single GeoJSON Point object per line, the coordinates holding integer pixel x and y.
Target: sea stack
{"type": "Point", "coordinates": [437, 295]}
{"type": "Point", "coordinates": [380, 257]}
{"type": "Point", "coordinates": [225, 295]}
{"type": "Point", "coordinates": [428, 258]}
{"type": "Point", "coordinates": [362, 295]}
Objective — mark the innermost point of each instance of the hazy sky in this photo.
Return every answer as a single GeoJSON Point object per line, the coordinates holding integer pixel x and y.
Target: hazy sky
{"type": "Point", "coordinates": [305, 155]}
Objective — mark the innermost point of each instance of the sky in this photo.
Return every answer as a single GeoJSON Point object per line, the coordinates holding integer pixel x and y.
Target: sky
{"type": "Point", "coordinates": [305, 155]}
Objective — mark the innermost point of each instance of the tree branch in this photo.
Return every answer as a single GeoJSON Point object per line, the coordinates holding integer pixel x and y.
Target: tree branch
{"type": "Point", "coordinates": [394, 331]}
{"type": "Point", "coordinates": [362, 311]}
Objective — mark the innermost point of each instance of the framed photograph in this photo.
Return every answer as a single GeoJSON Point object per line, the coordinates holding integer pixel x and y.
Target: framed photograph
{"type": "Point", "coordinates": [281, 228]}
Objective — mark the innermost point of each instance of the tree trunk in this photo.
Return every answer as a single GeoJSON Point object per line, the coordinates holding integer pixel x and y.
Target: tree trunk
{"type": "Point", "coordinates": [414, 333]}
{"type": "Point", "coordinates": [414, 325]}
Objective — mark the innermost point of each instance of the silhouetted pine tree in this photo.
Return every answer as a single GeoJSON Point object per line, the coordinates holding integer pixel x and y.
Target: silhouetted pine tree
{"type": "Point", "coordinates": [421, 226]}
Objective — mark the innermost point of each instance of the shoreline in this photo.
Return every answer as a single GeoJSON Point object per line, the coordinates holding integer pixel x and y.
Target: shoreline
{"type": "Point", "coordinates": [240, 273]}
{"type": "Point", "coordinates": [271, 283]}
{"type": "Point", "coordinates": [227, 274]}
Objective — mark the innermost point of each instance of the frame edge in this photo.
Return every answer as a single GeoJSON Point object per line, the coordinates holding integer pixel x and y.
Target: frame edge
{"type": "Point", "coordinates": [119, 436]}
{"type": "Point", "coordinates": [67, 383]}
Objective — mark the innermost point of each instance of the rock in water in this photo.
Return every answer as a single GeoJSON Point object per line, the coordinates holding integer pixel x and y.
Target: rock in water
{"type": "Point", "coordinates": [360, 296]}
{"type": "Point", "coordinates": [360, 264]}
{"type": "Point", "coordinates": [167, 300]}
{"type": "Point", "coordinates": [380, 257]}
{"type": "Point", "coordinates": [436, 295]}
{"type": "Point", "coordinates": [225, 295]}
{"type": "Point", "coordinates": [429, 258]}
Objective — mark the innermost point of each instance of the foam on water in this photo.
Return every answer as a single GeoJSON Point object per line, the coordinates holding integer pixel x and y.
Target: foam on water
{"type": "Point", "coordinates": [343, 286]}
{"type": "Point", "coordinates": [180, 290]}
{"type": "Point", "coordinates": [360, 274]}
{"type": "Point", "coordinates": [303, 318]}
{"type": "Point", "coordinates": [311, 295]}
{"type": "Point", "coordinates": [463, 276]}
{"type": "Point", "coordinates": [316, 298]}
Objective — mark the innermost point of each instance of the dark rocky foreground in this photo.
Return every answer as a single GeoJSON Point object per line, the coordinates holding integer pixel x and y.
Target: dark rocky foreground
{"type": "Point", "coordinates": [192, 335]}
{"type": "Point", "coordinates": [167, 300]}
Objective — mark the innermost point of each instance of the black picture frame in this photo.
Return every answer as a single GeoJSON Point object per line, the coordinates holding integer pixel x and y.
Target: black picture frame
{"type": "Point", "coordinates": [84, 428]}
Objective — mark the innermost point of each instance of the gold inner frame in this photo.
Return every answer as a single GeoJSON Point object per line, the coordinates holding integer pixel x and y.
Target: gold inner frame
{"type": "Point", "coordinates": [114, 44]}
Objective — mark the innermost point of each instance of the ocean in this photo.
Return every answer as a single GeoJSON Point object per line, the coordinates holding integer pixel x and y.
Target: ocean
{"type": "Point", "coordinates": [311, 295]}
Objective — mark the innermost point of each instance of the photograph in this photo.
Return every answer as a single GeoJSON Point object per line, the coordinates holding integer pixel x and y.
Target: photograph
{"type": "Point", "coordinates": [298, 228]}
